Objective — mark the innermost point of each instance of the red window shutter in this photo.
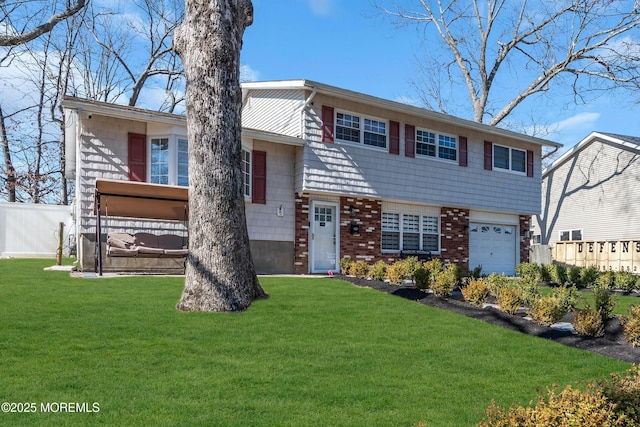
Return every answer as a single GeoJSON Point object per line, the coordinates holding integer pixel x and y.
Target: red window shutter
{"type": "Point", "coordinates": [327, 123]}
{"type": "Point", "coordinates": [488, 155]}
{"type": "Point", "coordinates": [394, 137]}
{"type": "Point", "coordinates": [462, 144]}
{"type": "Point", "coordinates": [409, 140]}
{"type": "Point", "coordinates": [529, 163]}
{"type": "Point", "coordinates": [137, 157]}
{"type": "Point", "coordinates": [259, 177]}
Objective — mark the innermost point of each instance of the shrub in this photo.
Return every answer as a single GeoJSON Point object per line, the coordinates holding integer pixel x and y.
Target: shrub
{"type": "Point", "coordinates": [623, 390]}
{"type": "Point", "coordinates": [434, 266]}
{"type": "Point", "coordinates": [574, 275]}
{"type": "Point", "coordinates": [558, 273]}
{"type": "Point", "coordinates": [396, 273]}
{"type": "Point", "coordinates": [624, 280]}
{"type": "Point", "coordinates": [568, 297]}
{"type": "Point", "coordinates": [605, 302]}
{"type": "Point", "coordinates": [345, 265]}
{"type": "Point", "coordinates": [631, 326]}
{"type": "Point", "coordinates": [378, 270]}
{"type": "Point", "coordinates": [476, 273]}
{"type": "Point", "coordinates": [605, 279]}
{"type": "Point", "coordinates": [570, 407]}
{"type": "Point", "coordinates": [528, 270]}
{"type": "Point", "coordinates": [496, 283]}
{"type": "Point", "coordinates": [422, 278]}
{"type": "Point", "coordinates": [359, 269]}
{"type": "Point", "coordinates": [411, 264]}
{"type": "Point", "coordinates": [476, 292]}
{"type": "Point", "coordinates": [445, 281]}
{"type": "Point", "coordinates": [545, 272]}
{"type": "Point", "coordinates": [510, 300]}
{"type": "Point", "coordinates": [529, 289]}
{"type": "Point", "coordinates": [589, 322]}
{"type": "Point", "coordinates": [589, 275]}
{"type": "Point", "coordinates": [547, 310]}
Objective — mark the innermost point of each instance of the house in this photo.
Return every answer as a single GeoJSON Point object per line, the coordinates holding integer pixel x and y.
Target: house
{"type": "Point", "coordinates": [332, 173]}
{"type": "Point", "coordinates": [589, 210]}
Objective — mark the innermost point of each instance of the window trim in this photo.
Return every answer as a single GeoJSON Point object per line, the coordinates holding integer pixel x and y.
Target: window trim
{"type": "Point", "coordinates": [421, 231]}
{"type": "Point", "coordinates": [361, 131]}
{"type": "Point", "coordinates": [437, 145]}
{"type": "Point", "coordinates": [510, 158]}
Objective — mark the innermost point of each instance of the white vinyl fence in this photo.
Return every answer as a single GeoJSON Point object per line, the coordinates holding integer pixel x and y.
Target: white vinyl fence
{"type": "Point", "coordinates": [32, 230]}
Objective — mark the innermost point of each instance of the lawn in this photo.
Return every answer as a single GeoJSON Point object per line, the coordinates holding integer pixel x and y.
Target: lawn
{"type": "Point", "coordinates": [317, 352]}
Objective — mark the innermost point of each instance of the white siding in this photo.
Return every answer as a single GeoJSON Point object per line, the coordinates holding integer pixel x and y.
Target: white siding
{"type": "Point", "coordinates": [262, 220]}
{"type": "Point", "coordinates": [596, 190]}
{"type": "Point", "coordinates": [278, 111]}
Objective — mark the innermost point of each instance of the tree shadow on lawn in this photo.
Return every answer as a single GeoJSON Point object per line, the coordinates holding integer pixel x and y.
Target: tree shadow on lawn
{"type": "Point", "coordinates": [613, 344]}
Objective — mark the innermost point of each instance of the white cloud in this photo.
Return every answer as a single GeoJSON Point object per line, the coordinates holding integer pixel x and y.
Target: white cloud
{"type": "Point", "coordinates": [248, 74]}
{"type": "Point", "coordinates": [321, 7]}
{"type": "Point", "coordinates": [579, 122]}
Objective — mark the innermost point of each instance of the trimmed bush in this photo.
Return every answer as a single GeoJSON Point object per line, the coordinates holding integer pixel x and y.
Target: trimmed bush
{"type": "Point", "coordinates": [589, 275]}
{"type": "Point", "coordinates": [496, 283]}
{"type": "Point", "coordinates": [422, 278]}
{"type": "Point", "coordinates": [434, 266]}
{"type": "Point", "coordinates": [476, 292]}
{"type": "Point", "coordinates": [624, 280]}
{"type": "Point", "coordinates": [476, 273]}
{"type": "Point", "coordinates": [445, 281]}
{"type": "Point", "coordinates": [396, 273]}
{"type": "Point", "coordinates": [359, 269]}
{"type": "Point", "coordinates": [378, 270]}
{"type": "Point", "coordinates": [545, 272]}
{"type": "Point", "coordinates": [631, 326]}
{"type": "Point", "coordinates": [547, 310]}
{"type": "Point", "coordinates": [411, 264]}
{"type": "Point", "coordinates": [623, 389]}
{"type": "Point", "coordinates": [568, 297]}
{"type": "Point", "coordinates": [588, 322]}
{"type": "Point", "coordinates": [574, 276]}
{"type": "Point", "coordinates": [570, 407]}
{"type": "Point", "coordinates": [558, 274]}
{"type": "Point", "coordinates": [529, 289]}
{"type": "Point", "coordinates": [605, 302]}
{"type": "Point", "coordinates": [345, 265]}
{"type": "Point", "coordinates": [605, 279]}
{"type": "Point", "coordinates": [510, 300]}
{"type": "Point", "coordinates": [528, 270]}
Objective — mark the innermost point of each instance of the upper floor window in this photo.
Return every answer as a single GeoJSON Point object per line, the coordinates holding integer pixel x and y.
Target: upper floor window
{"type": "Point", "coordinates": [160, 160]}
{"type": "Point", "coordinates": [436, 145]}
{"type": "Point", "coordinates": [568, 235]}
{"type": "Point", "coordinates": [246, 173]}
{"type": "Point", "coordinates": [361, 130]}
{"type": "Point", "coordinates": [509, 159]}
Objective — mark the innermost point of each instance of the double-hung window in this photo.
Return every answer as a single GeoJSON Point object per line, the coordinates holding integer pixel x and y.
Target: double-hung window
{"type": "Point", "coordinates": [431, 144]}
{"type": "Point", "coordinates": [361, 130]}
{"type": "Point", "coordinates": [569, 235]}
{"type": "Point", "coordinates": [169, 160]}
{"type": "Point", "coordinates": [410, 232]}
{"type": "Point", "coordinates": [508, 158]}
{"type": "Point", "coordinates": [246, 173]}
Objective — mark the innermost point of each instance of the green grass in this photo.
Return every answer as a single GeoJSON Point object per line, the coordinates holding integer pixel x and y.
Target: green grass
{"type": "Point", "coordinates": [318, 352]}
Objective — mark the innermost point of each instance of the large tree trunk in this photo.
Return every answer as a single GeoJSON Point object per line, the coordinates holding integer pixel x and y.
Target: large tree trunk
{"type": "Point", "coordinates": [220, 275]}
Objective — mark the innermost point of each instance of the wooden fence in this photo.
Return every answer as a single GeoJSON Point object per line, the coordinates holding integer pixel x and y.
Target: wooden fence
{"type": "Point", "coordinates": [615, 255]}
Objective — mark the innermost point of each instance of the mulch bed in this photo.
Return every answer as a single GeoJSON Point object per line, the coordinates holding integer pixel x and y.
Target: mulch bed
{"type": "Point", "coordinates": [612, 345]}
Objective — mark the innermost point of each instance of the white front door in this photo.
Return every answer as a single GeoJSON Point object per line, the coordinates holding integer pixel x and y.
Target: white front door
{"type": "Point", "coordinates": [324, 237]}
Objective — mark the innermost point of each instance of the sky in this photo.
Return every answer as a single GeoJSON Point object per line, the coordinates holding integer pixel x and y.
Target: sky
{"type": "Point", "coordinates": [348, 44]}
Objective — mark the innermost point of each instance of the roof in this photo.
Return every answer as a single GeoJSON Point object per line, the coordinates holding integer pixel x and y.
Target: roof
{"type": "Point", "coordinates": [134, 113]}
{"type": "Point", "coordinates": [393, 105]}
{"type": "Point", "coordinates": [141, 200]}
{"type": "Point", "coordinates": [627, 142]}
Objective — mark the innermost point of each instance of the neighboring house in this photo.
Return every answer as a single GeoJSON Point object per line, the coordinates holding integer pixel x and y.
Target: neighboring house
{"type": "Point", "coordinates": [590, 209]}
{"type": "Point", "coordinates": [332, 173]}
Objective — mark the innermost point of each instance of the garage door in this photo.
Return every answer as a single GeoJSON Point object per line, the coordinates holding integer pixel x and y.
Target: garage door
{"type": "Point", "coordinates": [493, 246]}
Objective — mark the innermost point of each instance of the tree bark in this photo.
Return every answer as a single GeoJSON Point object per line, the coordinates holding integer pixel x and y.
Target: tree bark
{"type": "Point", "coordinates": [220, 275]}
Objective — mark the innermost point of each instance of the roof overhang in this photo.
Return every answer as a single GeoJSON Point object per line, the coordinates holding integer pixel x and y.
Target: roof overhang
{"type": "Point", "coordinates": [310, 85]}
{"type": "Point", "coordinates": [141, 200]}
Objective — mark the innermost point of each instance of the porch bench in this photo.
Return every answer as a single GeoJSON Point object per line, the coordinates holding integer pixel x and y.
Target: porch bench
{"type": "Point", "coordinates": [421, 255]}
{"type": "Point", "coordinates": [145, 245]}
